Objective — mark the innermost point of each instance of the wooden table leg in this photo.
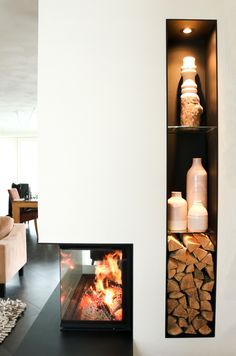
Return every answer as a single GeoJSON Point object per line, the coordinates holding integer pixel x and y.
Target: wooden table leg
{"type": "Point", "coordinates": [15, 212]}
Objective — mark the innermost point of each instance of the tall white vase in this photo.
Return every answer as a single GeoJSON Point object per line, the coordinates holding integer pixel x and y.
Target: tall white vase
{"type": "Point", "coordinates": [196, 190]}
{"type": "Point", "coordinates": [191, 110]}
{"type": "Point", "coordinates": [177, 213]}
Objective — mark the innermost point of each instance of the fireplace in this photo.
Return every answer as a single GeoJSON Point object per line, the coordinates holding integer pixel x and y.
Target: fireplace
{"type": "Point", "coordinates": [96, 287]}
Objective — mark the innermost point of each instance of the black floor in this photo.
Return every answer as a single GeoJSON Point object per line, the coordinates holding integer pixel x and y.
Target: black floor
{"type": "Point", "coordinates": [41, 276]}
{"type": "Point", "coordinates": [45, 338]}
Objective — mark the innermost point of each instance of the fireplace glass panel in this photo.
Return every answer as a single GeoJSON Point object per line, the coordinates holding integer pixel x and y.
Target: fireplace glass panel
{"type": "Point", "coordinates": [96, 287]}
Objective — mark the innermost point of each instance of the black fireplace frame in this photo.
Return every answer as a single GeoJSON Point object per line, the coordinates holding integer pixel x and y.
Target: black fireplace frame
{"type": "Point", "coordinates": [126, 325]}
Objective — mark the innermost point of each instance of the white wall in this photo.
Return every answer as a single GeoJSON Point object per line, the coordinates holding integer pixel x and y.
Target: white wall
{"type": "Point", "coordinates": [102, 116]}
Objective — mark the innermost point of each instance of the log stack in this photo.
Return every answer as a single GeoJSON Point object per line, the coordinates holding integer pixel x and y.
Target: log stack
{"type": "Point", "coordinates": [190, 284]}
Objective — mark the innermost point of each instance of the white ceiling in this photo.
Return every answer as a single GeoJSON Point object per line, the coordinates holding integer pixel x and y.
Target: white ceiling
{"type": "Point", "coordinates": [18, 67]}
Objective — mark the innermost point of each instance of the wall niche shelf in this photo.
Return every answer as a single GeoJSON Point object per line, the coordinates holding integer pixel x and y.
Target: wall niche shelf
{"type": "Point", "coordinates": [189, 232]}
{"type": "Point", "coordinates": [200, 129]}
{"type": "Point", "coordinates": [191, 257]}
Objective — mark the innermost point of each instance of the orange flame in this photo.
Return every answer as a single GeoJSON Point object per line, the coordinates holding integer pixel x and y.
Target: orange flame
{"type": "Point", "coordinates": [108, 270]}
{"type": "Point", "coordinates": [106, 292]}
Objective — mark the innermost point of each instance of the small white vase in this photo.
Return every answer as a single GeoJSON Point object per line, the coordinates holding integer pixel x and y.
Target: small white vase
{"type": "Point", "coordinates": [197, 218]}
{"type": "Point", "coordinates": [196, 189]}
{"type": "Point", "coordinates": [177, 213]}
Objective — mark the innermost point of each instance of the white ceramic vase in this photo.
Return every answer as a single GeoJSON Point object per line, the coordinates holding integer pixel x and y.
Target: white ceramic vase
{"type": "Point", "coordinates": [177, 213]}
{"type": "Point", "coordinates": [197, 218]}
{"type": "Point", "coordinates": [191, 109]}
{"type": "Point", "coordinates": [196, 187]}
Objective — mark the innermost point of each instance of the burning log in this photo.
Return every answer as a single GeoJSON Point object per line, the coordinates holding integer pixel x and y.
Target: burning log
{"type": "Point", "coordinates": [100, 296]}
{"type": "Point", "coordinates": [190, 284]}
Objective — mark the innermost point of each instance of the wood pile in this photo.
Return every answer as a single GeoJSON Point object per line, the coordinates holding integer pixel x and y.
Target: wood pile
{"type": "Point", "coordinates": [190, 284]}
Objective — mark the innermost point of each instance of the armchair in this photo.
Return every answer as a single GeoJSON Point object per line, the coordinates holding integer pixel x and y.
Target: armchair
{"type": "Point", "coordinates": [13, 255]}
{"type": "Point", "coordinates": [25, 214]}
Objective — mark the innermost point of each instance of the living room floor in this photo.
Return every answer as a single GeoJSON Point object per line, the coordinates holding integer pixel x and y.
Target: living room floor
{"type": "Point", "coordinates": [41, 276]}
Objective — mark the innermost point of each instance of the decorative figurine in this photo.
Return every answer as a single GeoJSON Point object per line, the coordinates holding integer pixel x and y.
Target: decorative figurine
{"type": "Point", "coordinates": [191, 109]}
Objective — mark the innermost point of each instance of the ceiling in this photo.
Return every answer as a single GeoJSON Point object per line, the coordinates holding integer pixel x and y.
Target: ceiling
{"type": "Point", "coordinates": [18, 67]}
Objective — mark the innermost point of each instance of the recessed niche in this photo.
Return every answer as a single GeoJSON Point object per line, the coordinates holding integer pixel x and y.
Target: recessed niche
{"type": "Point", "coordinates": [191, 256]}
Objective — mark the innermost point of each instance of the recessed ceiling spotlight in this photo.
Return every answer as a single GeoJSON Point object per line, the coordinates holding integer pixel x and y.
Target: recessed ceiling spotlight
{"type": "Point", "coordinates": [187, 30]}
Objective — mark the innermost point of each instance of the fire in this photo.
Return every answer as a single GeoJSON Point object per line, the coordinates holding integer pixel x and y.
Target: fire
{"type": "Point", "coordinates": [109, 295]}
{"type": "Point", "coordinates": [104, 298]}
{"type": "Point", "coordinates": [108, 270]}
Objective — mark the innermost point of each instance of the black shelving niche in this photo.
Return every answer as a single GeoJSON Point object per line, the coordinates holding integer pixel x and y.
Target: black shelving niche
{"type": "Point", "coordinates": [185, 143]}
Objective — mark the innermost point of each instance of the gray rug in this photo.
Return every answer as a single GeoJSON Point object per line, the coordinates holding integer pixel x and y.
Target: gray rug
{"type": "Point", "coordinates": [10, 311]}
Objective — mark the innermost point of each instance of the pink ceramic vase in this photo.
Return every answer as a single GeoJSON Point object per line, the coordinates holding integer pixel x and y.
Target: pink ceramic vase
{"type": "Point", "coordinates": [177, 213]}
{"type": "Point", "coordinates": [196, 184]}
{"type": "Point", "coordinates": [197, 218]}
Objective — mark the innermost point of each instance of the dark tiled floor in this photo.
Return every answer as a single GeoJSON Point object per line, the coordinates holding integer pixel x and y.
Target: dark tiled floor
{"type": "Point", "coordinates": [41, 276]}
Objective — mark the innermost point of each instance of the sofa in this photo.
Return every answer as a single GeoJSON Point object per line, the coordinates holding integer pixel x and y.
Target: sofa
{"type": "Point", "coordinates": [13, 252]}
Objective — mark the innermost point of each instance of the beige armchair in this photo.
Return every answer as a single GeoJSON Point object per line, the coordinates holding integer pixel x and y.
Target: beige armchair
{"type": "Point", "coordinates": [13, 255]}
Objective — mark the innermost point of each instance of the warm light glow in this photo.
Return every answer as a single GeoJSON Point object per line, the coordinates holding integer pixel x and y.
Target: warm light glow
{"type": "Point", "coordinates": [187, 30]}
{"type": "Point", "coordinates": [67, 261]}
